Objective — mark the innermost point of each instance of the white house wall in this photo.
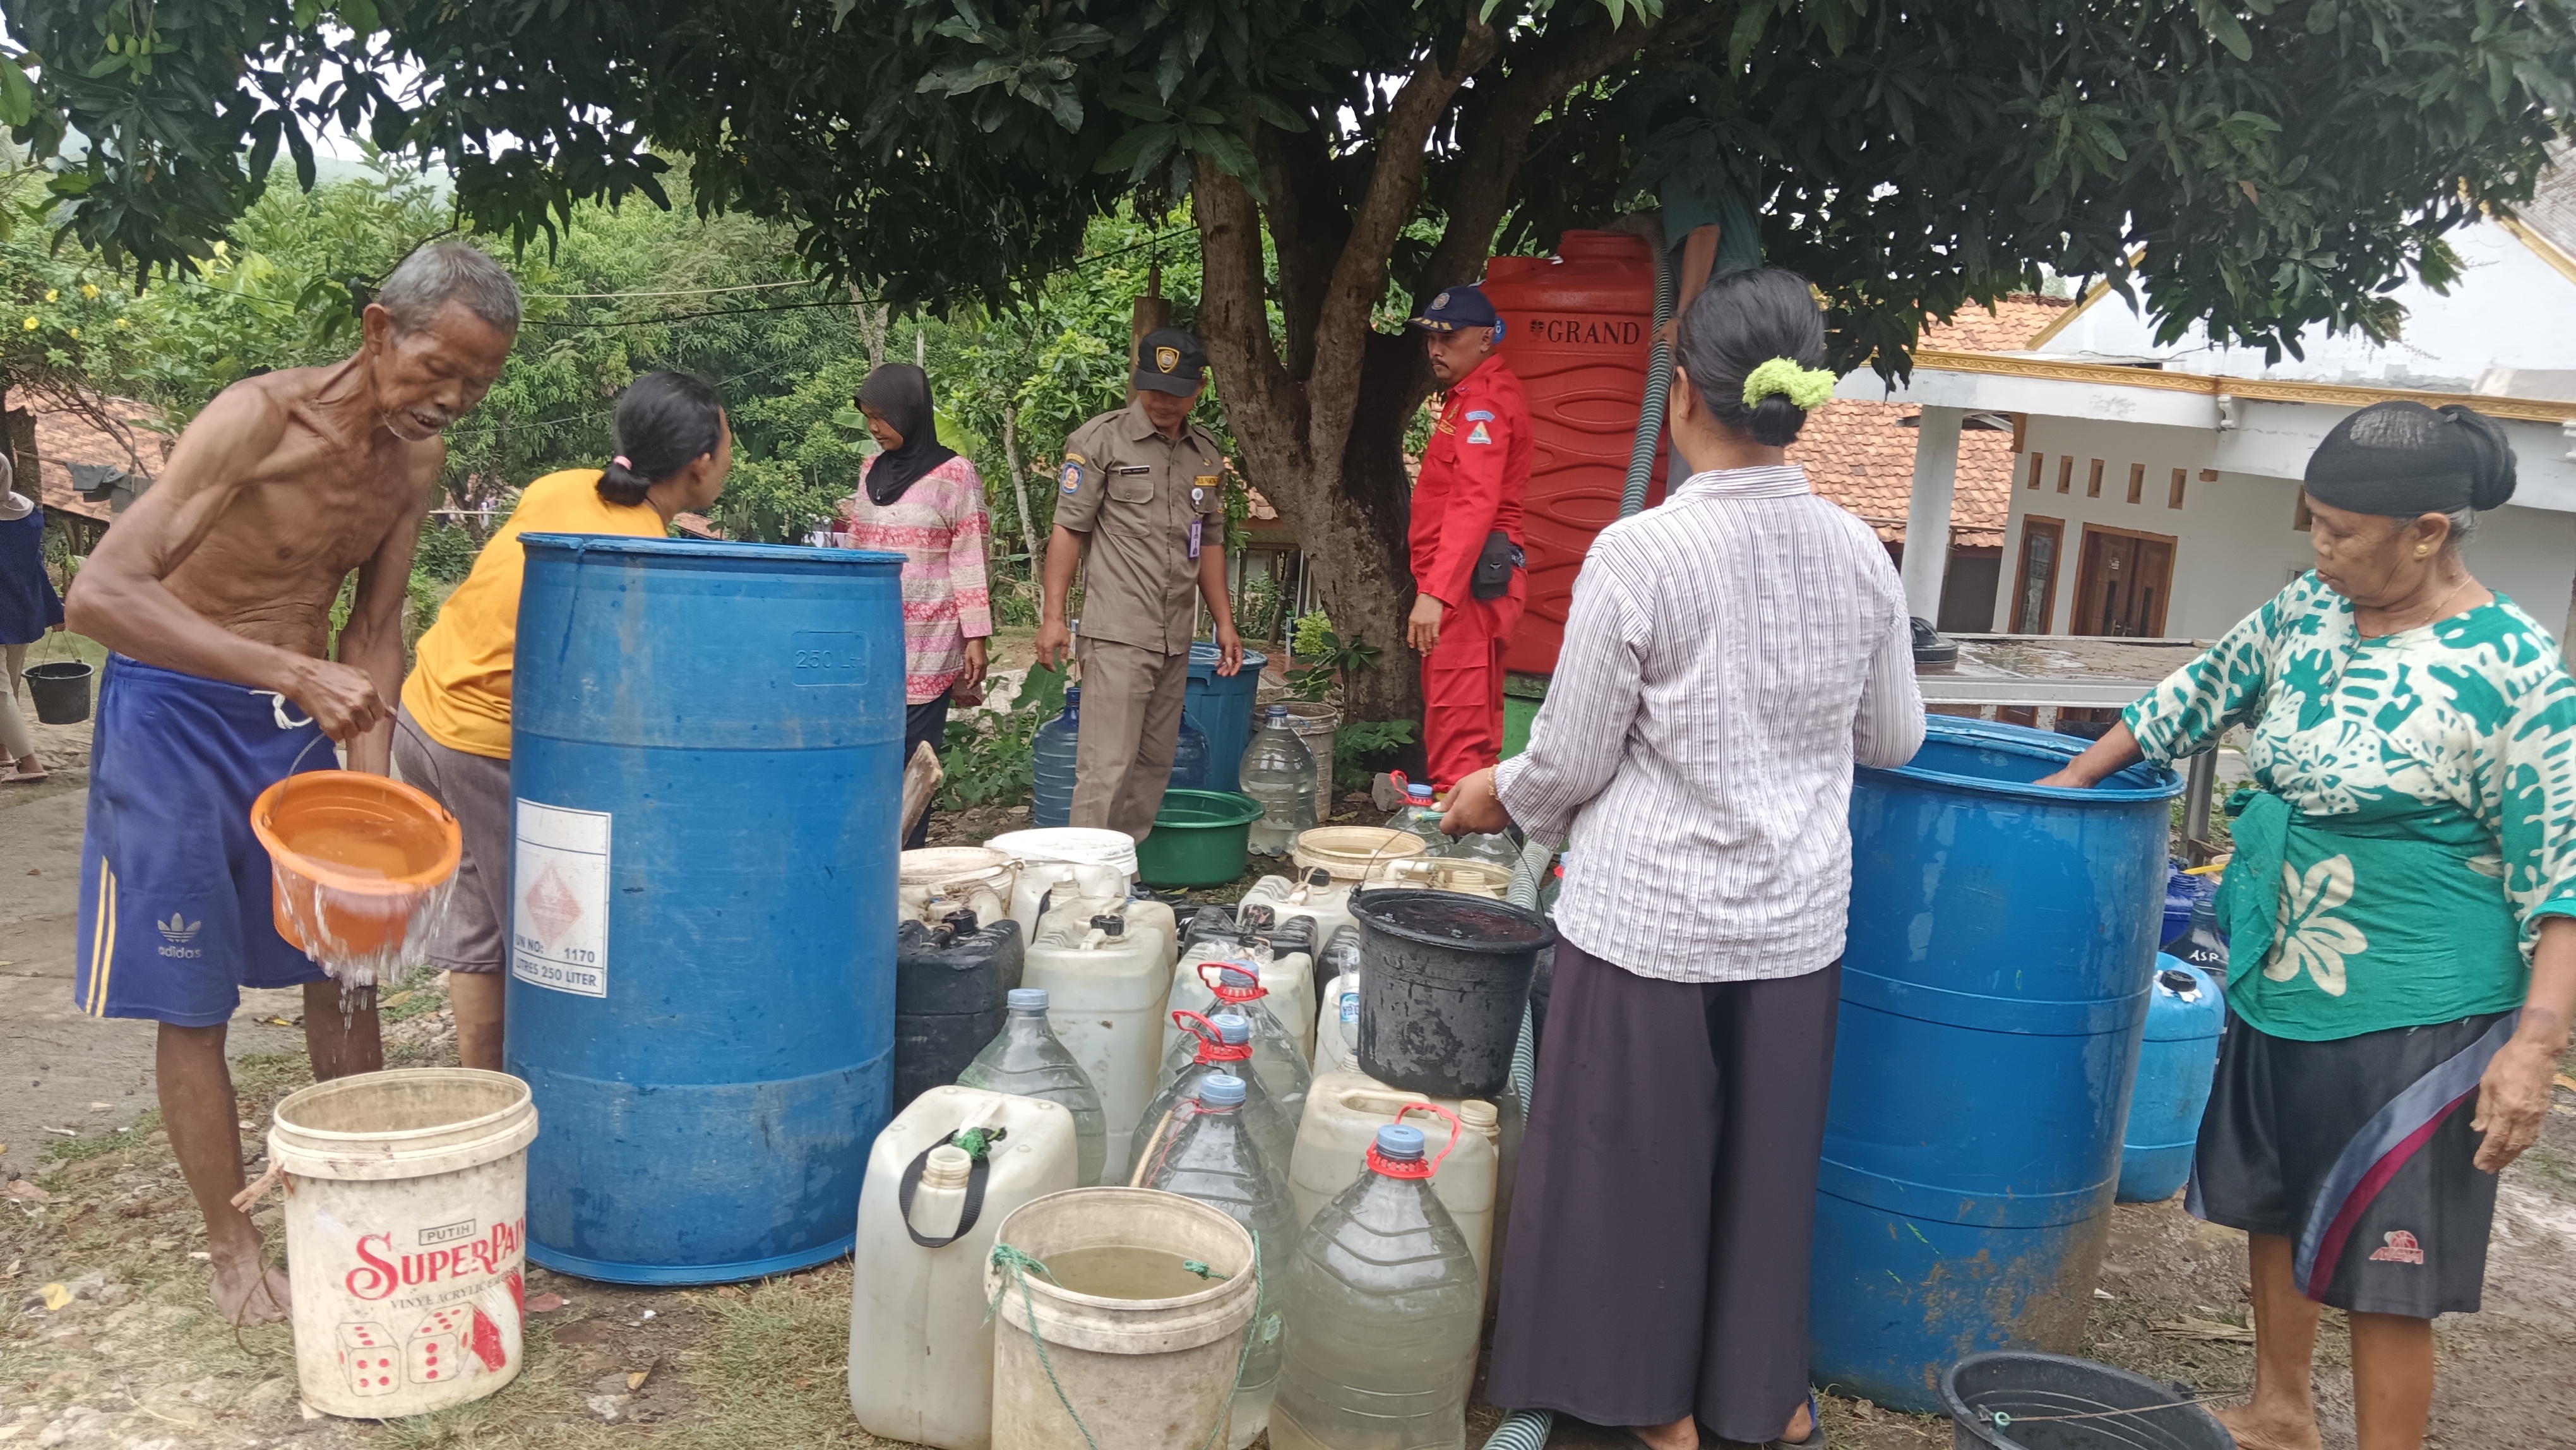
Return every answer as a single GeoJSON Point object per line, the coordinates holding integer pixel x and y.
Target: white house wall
{"type": "Point", "coordinates": [2236, 539]}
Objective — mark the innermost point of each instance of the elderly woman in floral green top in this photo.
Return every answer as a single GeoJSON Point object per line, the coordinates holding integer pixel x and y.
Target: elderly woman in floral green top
{"type": "Point", "coordinates": [2401, 912]}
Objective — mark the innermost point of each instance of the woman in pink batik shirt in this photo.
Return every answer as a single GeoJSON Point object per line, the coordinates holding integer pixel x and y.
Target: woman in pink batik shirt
{"type": "Point", "coordinates": [926, 503]}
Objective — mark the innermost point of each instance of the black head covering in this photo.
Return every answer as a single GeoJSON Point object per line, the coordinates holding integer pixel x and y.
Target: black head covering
{"type": "Point", "coordinates": [900, 393]}
{"type": "Point", "coordinates": [2401, 459]}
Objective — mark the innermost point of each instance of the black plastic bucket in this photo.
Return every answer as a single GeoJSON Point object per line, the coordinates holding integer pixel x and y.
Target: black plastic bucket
{"type": "Point", "coordinates": [1443, 981]}
{"type": "Point", "coordinates": [60, 689]}
{"type": "Point", "coordinates": [2056, 1402]}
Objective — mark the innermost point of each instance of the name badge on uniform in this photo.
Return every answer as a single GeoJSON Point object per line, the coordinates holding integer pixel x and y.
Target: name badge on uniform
{"type": "Point", "coordinates": [1194, 535]}
{"type": "Point", "coordinates": [1130, 470]}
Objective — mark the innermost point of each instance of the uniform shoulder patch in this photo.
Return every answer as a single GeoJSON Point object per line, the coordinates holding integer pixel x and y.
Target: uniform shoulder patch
{"type": "Point", "coordinates": [1480, 416]}
{"type": "Point", "coordinates": [1478, 434]}
{"type": "Point", "coordinates": [1070, 480]}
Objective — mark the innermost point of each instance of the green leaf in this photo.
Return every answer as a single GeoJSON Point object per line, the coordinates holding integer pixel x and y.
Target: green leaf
{"type": "Point", "coordinates": [2225, 28]}
{"type": "Point", "coordinates": [17, 97]}
{"type": "Point", "coordinates": [360, 16]}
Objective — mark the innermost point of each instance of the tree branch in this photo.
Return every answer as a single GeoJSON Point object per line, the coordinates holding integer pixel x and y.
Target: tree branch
{"type": "Point", "coordinates": [1394, 190]}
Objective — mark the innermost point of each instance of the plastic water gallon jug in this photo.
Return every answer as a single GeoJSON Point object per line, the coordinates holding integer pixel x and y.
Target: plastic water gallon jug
{"type": "Point", "coordinates": [1317, 897]}
{"type": "Point", "coordinates": [1190, 758]}
{"type": "Point", "coordinates": [1025, 1059]}
{"type": "Point", "coordinates": [950, 985]}
{"type": "Point", "coordinates": [1276, 1058]}
{"type": "Point", "coordinates": [1223, 1043]}
{"type": "Point", "coordinates": [1053, 764]}
{"type": "Point", "coordinates": [2186, 1013]}
{"type": "Point", "coordinates": [1210, 1154]}
{"type": "Point", "coordinates": [1343, 1115]}
{"type": "Point", "coordinates": [1337, 1027]}
{"type": "Point", "coordinates": [1282, 953]}
{"type": "Point", "coordinates": [1385, 1308]}
{"type": "Point", "coordinates": [1421, 817]}
{"type": "Point", "coordinates": [1105, 986]}
{"type": "Point", "coordinates": [941, 1178]}
{"type": "Point", "coordinates": [1279, 773]}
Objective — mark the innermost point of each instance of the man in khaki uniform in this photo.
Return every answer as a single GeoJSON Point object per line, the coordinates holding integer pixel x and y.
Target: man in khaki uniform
{"type": "Point", "coordinates": [1142, 504]}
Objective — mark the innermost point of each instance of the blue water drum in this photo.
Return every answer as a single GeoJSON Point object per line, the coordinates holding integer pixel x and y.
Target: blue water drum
{"type": "Point", "coordinates": [707, 748]}
{"type": "Point", "coordinates": [2002, 940]}
{"type": "Point", "coordinates": [1222, 706]}
{"type": "Point", "coordinates": [2186, 1013]}
{"type": "Point", "coordinates": [1058, 745]}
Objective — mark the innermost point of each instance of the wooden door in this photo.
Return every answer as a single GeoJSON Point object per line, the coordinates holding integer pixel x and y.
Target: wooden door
{"type": "Point", "coordinates": [2034, 596]}
{"type": "Point", "coordinates": [2123, 583]}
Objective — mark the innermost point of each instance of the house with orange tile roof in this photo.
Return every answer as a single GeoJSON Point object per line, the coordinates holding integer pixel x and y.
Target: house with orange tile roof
{"type": "Point", "coordinates": [2154, 487]}
{"type": "Point", "coordinates": [89, 461]}
{"type": "Point", "coordinates": [1860, 454]}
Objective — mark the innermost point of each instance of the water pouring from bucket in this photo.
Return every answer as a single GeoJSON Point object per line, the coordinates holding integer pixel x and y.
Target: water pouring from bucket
{"type": "Point", "coordinates": [362, 867]}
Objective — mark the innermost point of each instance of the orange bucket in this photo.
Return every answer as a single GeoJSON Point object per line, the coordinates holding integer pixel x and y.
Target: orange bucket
{"type": "Point", "coordinates": [355, 854]}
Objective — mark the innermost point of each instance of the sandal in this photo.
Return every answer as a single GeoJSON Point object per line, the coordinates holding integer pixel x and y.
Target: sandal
{"type": "Point", "coordinates": [20, 777]}
{"type": "Point", "coordinates": [1815, 1440]}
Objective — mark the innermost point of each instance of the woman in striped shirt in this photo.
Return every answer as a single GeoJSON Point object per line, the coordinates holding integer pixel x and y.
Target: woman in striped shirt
{"type": "Point", "coordinates": [925, 502]}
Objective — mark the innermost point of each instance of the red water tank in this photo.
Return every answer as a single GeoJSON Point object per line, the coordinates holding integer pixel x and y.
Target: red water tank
{"type": "Point", "coordinates": [1577, 330]}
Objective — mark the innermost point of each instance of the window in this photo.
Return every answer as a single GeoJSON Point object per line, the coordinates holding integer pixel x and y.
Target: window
{"type": "Point", "coordinates": [2137, 482]}
{"type": "Point", "coordinates": [2065, 473]}
{"type": "Point", "coordinates": [2093, 480]}
{"type": "Point", "coordinates": [2173, 499]}
{"type": "Point", "coordinates": [2037, 461]}
{"type": "Point", "coordinates": [2034, 596]}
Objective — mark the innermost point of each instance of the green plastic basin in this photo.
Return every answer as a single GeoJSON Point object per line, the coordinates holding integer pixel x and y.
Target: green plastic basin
{"type": "Point", "coordinates": [1200, 838]}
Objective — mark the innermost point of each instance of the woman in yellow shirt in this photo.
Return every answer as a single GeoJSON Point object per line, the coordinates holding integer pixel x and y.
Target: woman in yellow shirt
{"type": "Point", "coordinates": [452, 735]}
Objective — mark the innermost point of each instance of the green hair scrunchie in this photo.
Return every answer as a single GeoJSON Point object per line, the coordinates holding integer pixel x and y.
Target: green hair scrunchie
{"type": "Point", "coordinates": [1806, 387]}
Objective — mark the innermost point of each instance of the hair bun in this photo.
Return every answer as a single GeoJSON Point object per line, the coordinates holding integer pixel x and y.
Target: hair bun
{"type": "Point", "coordinates": [2491, 478]}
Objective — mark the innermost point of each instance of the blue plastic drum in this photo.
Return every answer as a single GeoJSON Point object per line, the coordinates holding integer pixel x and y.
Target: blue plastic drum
{"type": "Point", "coordinates": [2186, 1015]}
{"type": "Point", "coordinates": [1995, 982]}
{"type": "Point", "coordinates": [707, 759]}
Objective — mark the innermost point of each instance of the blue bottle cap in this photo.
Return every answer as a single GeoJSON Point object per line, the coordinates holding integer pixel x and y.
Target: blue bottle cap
{"type": "Point", "coordinates": [1278, 712]}
{"type": "Point", "coordinates": [1231, 1027]}
{"type": "Point", "coordinates": [1028, 999]}
{"type": "Point", "coordinates": [1397, 1141]}
{"type": "Point", "coordinates": [1224, 1090]}
{"type": "Point", "coordinates": [1419, 795]}
{"type": "Point", "coordinates": [1238, 978]}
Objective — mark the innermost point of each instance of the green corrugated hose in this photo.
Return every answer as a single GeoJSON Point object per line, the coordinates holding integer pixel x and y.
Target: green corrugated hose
{"type": "Point", "coordinates": [1528, 1429]}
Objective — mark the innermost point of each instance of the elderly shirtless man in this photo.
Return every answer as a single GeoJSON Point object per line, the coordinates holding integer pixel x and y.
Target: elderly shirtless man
{"type": "Point", "coordinates": [214, 592]}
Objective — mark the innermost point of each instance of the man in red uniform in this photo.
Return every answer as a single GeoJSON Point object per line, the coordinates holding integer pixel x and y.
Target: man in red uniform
{"type": "Point", "coordinates": [1466, 536]}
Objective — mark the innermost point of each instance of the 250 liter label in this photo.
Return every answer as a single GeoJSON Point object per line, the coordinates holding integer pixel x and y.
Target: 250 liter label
{"type": "Point", "coordinates": [559, 909]}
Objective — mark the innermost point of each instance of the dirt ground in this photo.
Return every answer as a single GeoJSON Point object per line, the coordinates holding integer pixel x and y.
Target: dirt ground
{"type": "Point", "coordinates": [134, 1360]}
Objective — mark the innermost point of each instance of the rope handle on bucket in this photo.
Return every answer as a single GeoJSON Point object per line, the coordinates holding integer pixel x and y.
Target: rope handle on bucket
{"type": "Point", "coordinates": [260, 1186]}
{"type": "Point", "coordinates": [1425, 1169]}
{"type": "Point", "coordinates": [1015, 1265]}
{"type": "Point", "coordinates": [1212, 1044]}
{"type": "Point", "coordinates": [2003, 1420]}
{"type": "Point", "coordinates": [978, 1145]}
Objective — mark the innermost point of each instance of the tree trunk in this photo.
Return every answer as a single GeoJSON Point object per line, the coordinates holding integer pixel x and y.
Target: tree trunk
{"type": "Point", "coordinates": [872, 326]}
{"type": "Point", "coordinates": [1020, 486]}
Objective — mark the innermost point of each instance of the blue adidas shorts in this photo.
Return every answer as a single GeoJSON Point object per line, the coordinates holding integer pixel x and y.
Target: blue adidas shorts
{"type": "Point", "coordinates": [174, 915]}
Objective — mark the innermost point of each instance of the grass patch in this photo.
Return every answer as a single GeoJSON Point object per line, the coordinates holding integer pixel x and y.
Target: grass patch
{"type": "Point", "coordinates": [73, 1150]}
{"type": "Point", "coordinates": [263, 1074]}
{"type": "Point", "coordinates": [777, 1374]}
{"type": "Point", "coordinates": [417, 994]}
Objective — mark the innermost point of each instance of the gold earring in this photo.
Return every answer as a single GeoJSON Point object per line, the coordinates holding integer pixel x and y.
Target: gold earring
{"type": "Point", "coordinates": [2422, 549]}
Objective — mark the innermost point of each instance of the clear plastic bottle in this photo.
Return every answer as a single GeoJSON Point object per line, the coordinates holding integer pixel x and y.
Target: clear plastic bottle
{"type": "Point", "coordinates": [1212, 1155]}
{"type": "Point", "coordinates": [1222, 1045]}
{"type": "Point", "coordinates": [1385, 1305]}
{"type": "Point", "coordinates": [1027, 1060]}
{"type": "Point", "coordinates": [1053, 765]}
{"type": "Point", "coordinates": [1277, 1058]}
{"type": "Point", "coordinates": [1420, 816]}
{"type": "Point", "coordinates": [1279, 772]}
{"type": "Point", "coordinates": [1493, 847]}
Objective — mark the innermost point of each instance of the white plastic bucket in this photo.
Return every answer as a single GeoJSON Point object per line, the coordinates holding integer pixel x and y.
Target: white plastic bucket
{"type": "Point", "coordinates": [1064, 861]}
{"type": "Point", "coordinates": [935, 880]}
{"type": "Point", "coordinates": [1143, 1374]}
{"type": "Point", "coordinates": [406, 1231]}
{"type": "Point", "coordinates": [1350, 853]}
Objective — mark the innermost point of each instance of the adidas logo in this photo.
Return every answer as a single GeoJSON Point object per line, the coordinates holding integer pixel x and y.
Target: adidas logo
{"type": "Point", "coordinates": [178, 929]}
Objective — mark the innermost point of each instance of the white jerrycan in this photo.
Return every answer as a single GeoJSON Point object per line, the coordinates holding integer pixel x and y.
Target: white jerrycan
{"type": "Point", "coordinates": [1344, 1112]}
{"type": "Point", "coordinates": [1337, 1026]}
{"type": "Point", "coordinates": [921, 1354]}
{"type": "Point", "coordinates": [1105, 987]}
{"type": "Point", "coordinates": [936, 880]}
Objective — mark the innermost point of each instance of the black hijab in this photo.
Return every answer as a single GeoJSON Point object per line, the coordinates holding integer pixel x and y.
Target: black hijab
{"type": "Point", "coordinates": [900, 393]}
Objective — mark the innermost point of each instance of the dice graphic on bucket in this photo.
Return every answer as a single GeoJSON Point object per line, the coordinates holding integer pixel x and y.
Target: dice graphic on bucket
{"type": "Point", "coordinates": [367, 1352]}
{"type": "Point", "coordinates": [436, 1351]}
